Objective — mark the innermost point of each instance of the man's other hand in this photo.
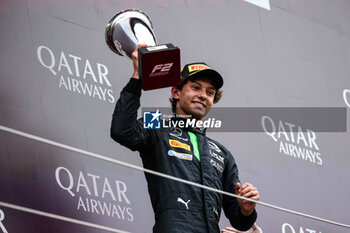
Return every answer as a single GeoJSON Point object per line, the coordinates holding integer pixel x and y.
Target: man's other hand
{"type": "Point", "coordinates": [249, 191]}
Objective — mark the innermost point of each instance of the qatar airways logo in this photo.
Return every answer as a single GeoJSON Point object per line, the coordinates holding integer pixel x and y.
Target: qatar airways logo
{"type": "Point", "coordinates": [288, 228]}
{"type": "Point", "coordinates": [95, 194]}
{"type": "Point", "coordinates": [260, 3]}
{"type": "Point", "coordinates": [293, 140]}
{"type": "Point", "coordinates": [76, 74]}
{"type": "Point", "coordinates": [2, 217]}
{"type": "Point", "coordinates": [346, 96]}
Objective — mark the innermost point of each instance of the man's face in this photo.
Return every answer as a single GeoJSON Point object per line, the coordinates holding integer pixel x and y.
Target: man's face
{"type": "Point", "coordinates": [195, 98]}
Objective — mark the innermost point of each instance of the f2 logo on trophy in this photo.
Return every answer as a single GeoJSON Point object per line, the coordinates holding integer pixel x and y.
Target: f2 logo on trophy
{"type": "Point", "coordinates": [159, 65]}
{"type": "Point", "coordinates": [161, 69]}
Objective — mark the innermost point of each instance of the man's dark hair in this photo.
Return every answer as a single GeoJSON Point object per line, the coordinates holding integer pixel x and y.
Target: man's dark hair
{"type": "Point", "coordinates": [217, 97]}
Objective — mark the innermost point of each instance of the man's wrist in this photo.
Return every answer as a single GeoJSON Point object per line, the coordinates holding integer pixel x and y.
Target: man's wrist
{"type": "Point", "coordinates": [135, 75]}
{"type": "Point", "coordinates": [134, 86]}
{"type": "Point", "coordinates": [247, 213]}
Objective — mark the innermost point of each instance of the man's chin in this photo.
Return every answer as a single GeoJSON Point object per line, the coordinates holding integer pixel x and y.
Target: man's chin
{"type": "Point", "coordinates": [195, 113]}
{"type": "Point", "coordinates": [198, 115]}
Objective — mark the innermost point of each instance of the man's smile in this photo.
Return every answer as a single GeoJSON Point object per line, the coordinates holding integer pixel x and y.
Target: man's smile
{"type": "Point", "coordinates": [199, 104]}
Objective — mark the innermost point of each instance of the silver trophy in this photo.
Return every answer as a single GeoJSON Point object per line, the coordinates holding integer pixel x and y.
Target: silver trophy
{"type": "Point", "coordinates": [159, 65]}
{"type": "Point", "coordinates": [127, 29]}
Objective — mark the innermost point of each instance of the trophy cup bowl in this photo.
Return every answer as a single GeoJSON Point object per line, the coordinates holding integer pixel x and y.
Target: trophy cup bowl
{"type": "Point", "coordinates": [159, 65]}
{"type": "Point", "coordinates": [127, 29]}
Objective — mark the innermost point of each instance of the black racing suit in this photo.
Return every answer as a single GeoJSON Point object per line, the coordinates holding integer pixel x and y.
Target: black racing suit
{"type": "Point", "coordinates": [179, 207]}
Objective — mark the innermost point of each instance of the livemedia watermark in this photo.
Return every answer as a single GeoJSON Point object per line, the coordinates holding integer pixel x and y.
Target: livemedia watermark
{"type": "Point", "coordinates": [268, 120]}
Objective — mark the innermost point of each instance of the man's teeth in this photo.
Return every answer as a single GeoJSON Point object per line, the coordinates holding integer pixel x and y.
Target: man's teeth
{"type": "Point", "coordinates": [199, 103]}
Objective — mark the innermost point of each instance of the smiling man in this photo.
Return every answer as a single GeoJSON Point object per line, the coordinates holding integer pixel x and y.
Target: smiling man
{"type": "Point", "coordinates": [197, 92]}
{"type": "Point", "coordinates": [186, 153]}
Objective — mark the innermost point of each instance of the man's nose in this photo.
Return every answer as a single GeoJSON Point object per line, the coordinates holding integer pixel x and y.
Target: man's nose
{"type": "Point", "coordinates": [202, 94]}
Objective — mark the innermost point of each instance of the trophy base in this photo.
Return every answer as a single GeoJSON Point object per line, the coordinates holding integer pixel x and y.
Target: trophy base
{"type": "Point", "coordinates": [159, 66]}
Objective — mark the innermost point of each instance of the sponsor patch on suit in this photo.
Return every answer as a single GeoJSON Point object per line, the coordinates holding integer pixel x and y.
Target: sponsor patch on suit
{"type": "Point", "coordinates": [180, 155]}
{"type": "Point", "coordinates": [176, 143]}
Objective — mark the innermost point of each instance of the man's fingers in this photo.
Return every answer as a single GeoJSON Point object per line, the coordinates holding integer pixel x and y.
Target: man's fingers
{"type": "Point", "coordinates": [245, 186]}
{"type": "Point", "coordinates": [246, 191]}
{"type": "Point", "coordinates": [141, 46]}
{"type": "Point", "coordinates": [238, 186]}
{"type": "Point", "coordinates": [135, 53]}
{"type": "Point", "coordinates": [252, 194]}
{"type": "Point", "coordinates": [229, 230]}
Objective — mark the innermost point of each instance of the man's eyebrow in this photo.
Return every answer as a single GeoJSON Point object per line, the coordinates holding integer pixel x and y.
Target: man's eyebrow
{"type": "Point", "coordinates": [213, 88]}
{"type": "Point", "coordinates": [197, 83]}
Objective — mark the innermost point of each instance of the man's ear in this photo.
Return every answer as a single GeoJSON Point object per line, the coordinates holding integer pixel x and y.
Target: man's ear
{"type": "Point", "coordinates": [175, 93]}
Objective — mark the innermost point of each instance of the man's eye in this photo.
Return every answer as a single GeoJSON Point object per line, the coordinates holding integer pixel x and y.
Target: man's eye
{"type": "Point", "coordinates": [195, 87]}
{"type": "Point", "coordinates": [210, 93]}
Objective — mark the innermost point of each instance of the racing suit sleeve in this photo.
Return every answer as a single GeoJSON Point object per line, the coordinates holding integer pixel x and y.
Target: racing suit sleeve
{"type": "Point", "coordinates": [125, 128]}
{"type": "Point", "coordinates": [231, 207]}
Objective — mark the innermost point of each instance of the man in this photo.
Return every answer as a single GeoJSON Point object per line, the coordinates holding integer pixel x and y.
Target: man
{"type": "Point", "coordinates": [186, 153]}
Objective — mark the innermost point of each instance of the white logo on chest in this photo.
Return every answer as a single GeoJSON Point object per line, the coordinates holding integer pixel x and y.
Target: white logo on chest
{"type": "Point", "coordinates": [183, 202]}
